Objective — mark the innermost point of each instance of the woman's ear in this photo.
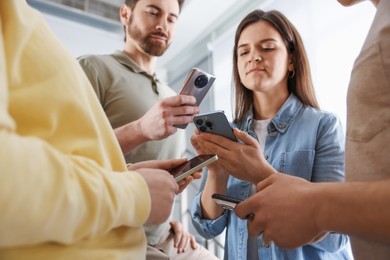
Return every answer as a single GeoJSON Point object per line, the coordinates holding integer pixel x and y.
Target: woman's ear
{"type": "Point", "coordinates": [124, 14]}
{"type": "Point", "coordinates": [290, 63]}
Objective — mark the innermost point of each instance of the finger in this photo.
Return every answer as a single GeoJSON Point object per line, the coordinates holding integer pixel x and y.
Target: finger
{"type": "Point", "coordinates": [169, 164]}
{"type": "Point", "coordinates": [214, 144]}
{"type": "Point", "coordinates": [197, 142]}
{"type": "Point", "coordinates": [184, 183]}
{"type": "Point", "coordinates": [267, 241]}
{"type": "Point", "coordinates": [264, 184]}
{"type": "Point", "coordinates": [181, 118]}
{"type": "Point", "coordinates": [255, 227]}
{"type": "Point", "coordinates": [217, 139]}
{"type": "Point", "coordinates": [178, 100]}
{"type": "Point", "coordinates": [183, 243]}
{"type": "Point", "coordinates": [244, 209]}
{"type": "Point", "coordinates": [194, 245]}
{"type": "Point", "coordinates": [177, 233]}
{"type": "Point", "coordinates": [246, 138]}
{"type": "Point", "coordinates": [197, 175]}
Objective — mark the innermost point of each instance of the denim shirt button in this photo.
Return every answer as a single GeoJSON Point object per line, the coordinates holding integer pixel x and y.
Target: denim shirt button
{"type": "Point", "coordinates": [282, 126]}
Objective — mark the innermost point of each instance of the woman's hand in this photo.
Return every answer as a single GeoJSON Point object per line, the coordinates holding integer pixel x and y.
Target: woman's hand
{"type": "Point", "coordinates": [244, 160]}
{"type": "Point", "coordinates": [197, 141]}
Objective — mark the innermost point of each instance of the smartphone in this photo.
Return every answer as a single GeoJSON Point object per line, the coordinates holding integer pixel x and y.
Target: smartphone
{"type": "Point", "coordinates": [197, 84]}
{"type": "Point", "coordinates": [189, 167]}
{"type": "Point", "coordinates": [225, 201]}
{"type": "Point", "coordinates": [216, 123]}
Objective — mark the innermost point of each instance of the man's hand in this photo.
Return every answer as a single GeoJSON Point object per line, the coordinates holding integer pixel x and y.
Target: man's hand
{"type": "Point", "coordinates": [181, 237]}
{"type": "Point", "coordinates": [166, 165]}
{"type": "Point", "coordinates": [283, 210]}
{"type": "Point", "coordinates": [160, 120]}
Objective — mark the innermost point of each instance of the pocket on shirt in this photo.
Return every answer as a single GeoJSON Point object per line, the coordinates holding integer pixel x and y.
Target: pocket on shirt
{"type": "Point", "coordinates": [297, 163]}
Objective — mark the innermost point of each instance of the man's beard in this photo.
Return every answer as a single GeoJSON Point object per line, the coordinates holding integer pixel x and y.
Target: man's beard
{"type": "Point", "coordinates": [148, 45]}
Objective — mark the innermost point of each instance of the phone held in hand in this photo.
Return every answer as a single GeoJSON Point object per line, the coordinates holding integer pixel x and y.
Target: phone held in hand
{"type": "Point", "coordinates": [225, 201]}
{"type": "Point", "coordinates": [215, 123]}
{"type": "Point", "coordinates": [189, 167]}
{"type": "Point", "coordinates": [197, 84]}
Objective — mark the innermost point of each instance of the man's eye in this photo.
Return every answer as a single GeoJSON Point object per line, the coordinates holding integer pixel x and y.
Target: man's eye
{"type": "Point", "coordinates": [151, 13]}
{"type": "Point", "coordinates": [172, 20]}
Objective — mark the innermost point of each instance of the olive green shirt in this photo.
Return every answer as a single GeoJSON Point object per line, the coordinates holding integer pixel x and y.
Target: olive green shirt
{"type": "Point", "coordinates": [126, 93]}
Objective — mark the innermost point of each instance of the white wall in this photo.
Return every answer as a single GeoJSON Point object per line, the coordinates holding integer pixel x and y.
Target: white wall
{"type": "Point", "coordinates": [82, 39]}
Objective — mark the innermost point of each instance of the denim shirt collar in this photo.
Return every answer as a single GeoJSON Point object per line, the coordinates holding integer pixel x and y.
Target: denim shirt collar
{"type": "Point", "coordinates": [281, 121]}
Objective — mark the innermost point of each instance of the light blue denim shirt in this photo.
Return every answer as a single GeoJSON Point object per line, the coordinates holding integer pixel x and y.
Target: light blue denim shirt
{"type": "Point", "coordinates": [301, 141]}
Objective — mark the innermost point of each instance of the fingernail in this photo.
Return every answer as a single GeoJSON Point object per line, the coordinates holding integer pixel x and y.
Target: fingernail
{"type": "Point", "coordinates": [250, 216]}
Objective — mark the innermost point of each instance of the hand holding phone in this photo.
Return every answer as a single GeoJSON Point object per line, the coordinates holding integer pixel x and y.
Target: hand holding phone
{"type": "Point", "coordinates": [215, 123]}
{"type": "Point", "coordinates": [196, 84]}
{"type": "Point", "coordinates": [225, 201]}
{"type": "Point", "coordinates": [189, 167]}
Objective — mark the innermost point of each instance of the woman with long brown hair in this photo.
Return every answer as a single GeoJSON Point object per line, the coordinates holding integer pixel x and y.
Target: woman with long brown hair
{"type": "Point", "coordinates": [281, 129]}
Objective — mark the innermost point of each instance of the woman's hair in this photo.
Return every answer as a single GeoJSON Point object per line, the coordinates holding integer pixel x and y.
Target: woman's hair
{"type": "Point", "coordinates": [299, 83]}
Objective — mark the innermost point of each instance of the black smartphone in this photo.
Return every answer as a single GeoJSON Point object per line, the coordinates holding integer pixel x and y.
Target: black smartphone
{"type": "Point", "coordinates": [197, 84]}
{"type": "Point", "coordinates": [189, 167]}
{"type": "Point", "coordinates": [225, 201]}
{"type": "Point", "coordinates": [215, 123]}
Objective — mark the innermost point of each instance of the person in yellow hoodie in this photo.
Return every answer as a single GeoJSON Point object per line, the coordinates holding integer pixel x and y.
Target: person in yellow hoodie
{"type": "Point", "coordinates": [65, 192]}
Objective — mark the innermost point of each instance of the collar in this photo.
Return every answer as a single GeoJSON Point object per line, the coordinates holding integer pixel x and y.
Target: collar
{"type": "Point", "coordinates": [126, 61]}
{"type": "Point", "coordinates": [282, 120]}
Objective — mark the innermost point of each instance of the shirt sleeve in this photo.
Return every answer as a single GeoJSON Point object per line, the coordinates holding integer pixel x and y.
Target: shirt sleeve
{"type": "Point", "coordinates": [329, 167]}
{"type": "Point", "coordinates": [49, 194]}
{"type": "Point", "coordinates": [207, 228]}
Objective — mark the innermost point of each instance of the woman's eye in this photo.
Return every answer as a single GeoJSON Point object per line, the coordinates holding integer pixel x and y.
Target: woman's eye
{"type": "Point", "coordinates": [268, 49]}
{"type": "Point", "coordinates": [243, 53]}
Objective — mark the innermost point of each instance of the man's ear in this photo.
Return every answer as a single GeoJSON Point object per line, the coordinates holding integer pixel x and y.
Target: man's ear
{"type": "Point", "coordinates": [124, 14]}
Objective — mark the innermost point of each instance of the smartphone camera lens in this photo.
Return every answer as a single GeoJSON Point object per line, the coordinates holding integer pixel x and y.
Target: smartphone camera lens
{"type": "Point", "coordinates": [203, 128]}
{"type": "Point", "coordinates": [209, 124]}
{"type": "Point", "coordinates": [201, 81]}
{"type": "Point", "coordinates": [199, 121]}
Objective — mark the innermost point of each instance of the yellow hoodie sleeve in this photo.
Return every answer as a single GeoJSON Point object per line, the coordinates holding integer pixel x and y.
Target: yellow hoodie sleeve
{"type": "Point", "coordinates": [62, 174]}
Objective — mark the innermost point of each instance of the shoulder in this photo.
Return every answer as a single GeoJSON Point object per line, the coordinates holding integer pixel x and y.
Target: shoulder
{"type": "Point", "coordinates": [94, 59]}
{"type": "Point", "coordinates": [323, 120]}
{"type": "Point", "coordinates": [319, 114]}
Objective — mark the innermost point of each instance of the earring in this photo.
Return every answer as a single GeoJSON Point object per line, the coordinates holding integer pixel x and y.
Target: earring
{"type": "Point", "coordinates": [291, 73]}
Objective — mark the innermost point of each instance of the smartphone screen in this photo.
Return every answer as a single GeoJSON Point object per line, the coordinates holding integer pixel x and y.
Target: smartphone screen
{"type": "Point", "coordinates": [189, 167]}
{"type": "Point", "coordinates": [225, 201]}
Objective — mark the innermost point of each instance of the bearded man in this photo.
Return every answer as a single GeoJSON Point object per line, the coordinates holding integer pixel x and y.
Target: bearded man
{"type": "Point", "coordinates": [143, 111]}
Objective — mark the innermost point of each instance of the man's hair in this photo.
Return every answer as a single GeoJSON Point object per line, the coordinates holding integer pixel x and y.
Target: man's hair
{"type": "Point", "coordinates": [132, 3]}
